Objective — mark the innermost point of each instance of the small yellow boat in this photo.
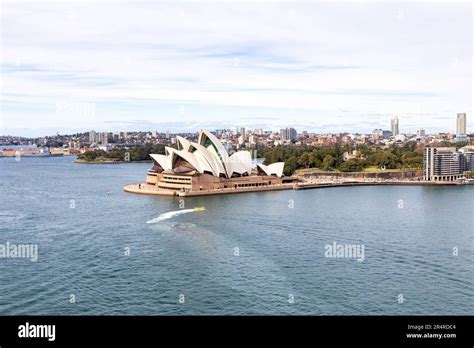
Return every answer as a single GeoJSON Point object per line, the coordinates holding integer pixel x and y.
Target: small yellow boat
{"type": "Point", "coordinates": [199, 208]}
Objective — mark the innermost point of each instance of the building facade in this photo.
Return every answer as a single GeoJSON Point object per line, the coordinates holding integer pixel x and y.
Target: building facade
{"type": "Point", "coordinates": [469, 161]}
{"type": "Point", "coordinates": [461, 124]}
{"type": "Point", "coordinates": [92, 136]}
{"type": "Point", "coordinates": [288, 134]}
{"type": "Point", "coordinates": [420, 132]}
{"type": "Point", "coordinates": [394, 126]}
{"type": "Point", "coordinates": [446, 163]}
{"type": "Point", "coordinates": [468, 158]}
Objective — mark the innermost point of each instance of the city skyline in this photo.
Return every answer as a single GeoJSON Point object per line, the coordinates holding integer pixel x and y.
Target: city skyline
{"type": "Point", "coordinates": [320, 67]}
{"type": "Point", "coordinates": [393, 128]}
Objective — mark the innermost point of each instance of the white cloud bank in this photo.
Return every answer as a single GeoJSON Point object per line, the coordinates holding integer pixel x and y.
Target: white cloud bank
{"type": "Point", "coordinates": [294, 62]}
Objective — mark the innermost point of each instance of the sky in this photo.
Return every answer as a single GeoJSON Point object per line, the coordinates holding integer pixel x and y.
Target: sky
{"type": "Point", "coordinates": [72, 66]}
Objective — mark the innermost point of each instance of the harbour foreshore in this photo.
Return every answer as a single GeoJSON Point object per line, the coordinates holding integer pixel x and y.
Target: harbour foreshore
{"type": "Point", "coordinates": [143, 188]}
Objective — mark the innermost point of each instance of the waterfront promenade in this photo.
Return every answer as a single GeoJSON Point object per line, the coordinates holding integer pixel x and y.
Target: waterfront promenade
{"type": "Point", "coordinates": [143, 188]}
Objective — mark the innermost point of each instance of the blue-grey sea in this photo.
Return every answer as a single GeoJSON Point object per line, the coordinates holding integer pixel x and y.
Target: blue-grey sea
{"type": "Point", "coordinates": [251, 253]}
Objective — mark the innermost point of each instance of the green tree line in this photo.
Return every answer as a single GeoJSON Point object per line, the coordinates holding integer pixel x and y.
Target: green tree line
{"type": "Point", "coordinates": [138, 153]}
{"type": "Point", "coordinates": [330, 158]}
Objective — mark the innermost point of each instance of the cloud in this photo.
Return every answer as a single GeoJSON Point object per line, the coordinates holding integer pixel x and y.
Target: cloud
{"type": "Point", "coordinates": [224, 61]}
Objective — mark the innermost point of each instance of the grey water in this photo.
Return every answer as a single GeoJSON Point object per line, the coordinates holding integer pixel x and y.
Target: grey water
{"type": "Point", "coordinates": [252, 253]}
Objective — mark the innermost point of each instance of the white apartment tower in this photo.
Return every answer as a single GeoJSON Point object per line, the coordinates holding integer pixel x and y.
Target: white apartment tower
{"type": "Point", "coordinates": [461, 124]}
{"type": "Point", "coordinates": [394, 126]}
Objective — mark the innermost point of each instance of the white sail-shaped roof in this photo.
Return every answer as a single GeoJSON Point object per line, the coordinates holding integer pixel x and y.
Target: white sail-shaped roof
{"type": "Point", "coordinates": [162, 160]}
{"type": "Point", "coordinates": [214, 162]}
{"type": "Point", "coordinates": [208, 155]}
{"type": "Point", "coordinates": [183, 143]}
{"type": "Point", "coordinates": [210, 141]}
{"type": "Point", "coordinates": [240, 163]}
{"type": "Point", "coordinates": [272, 169]}
{"type": "Point", "coordinates": [188, 157]}
{"type": "Point", "coordinates": [169, 150]}
{"type": "Point", "coordinates": [203, 162]}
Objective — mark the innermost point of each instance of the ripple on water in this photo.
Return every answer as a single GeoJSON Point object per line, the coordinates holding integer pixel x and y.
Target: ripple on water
{"type": "Point", "coordinates": [280, 249]}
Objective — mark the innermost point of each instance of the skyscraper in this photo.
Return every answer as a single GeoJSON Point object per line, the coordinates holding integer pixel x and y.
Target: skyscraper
{"type": "Point", "coordinates": [105, 138]}
{"type": "Point", "coordinates": [92, 136]}
{"type": "Point", "coordinates": [394, 126]}
{"type": "Point", "coordinates": [461, 124]}
{"type": "Point", "coordinates": [288, 134]}
{"type": "Point", "coordinates": [242, 132]}
{"type": "Point", "coordinates": [420, 132]}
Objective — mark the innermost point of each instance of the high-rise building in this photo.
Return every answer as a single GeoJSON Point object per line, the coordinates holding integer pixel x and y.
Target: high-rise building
{"type": "Point", "coordinates": [288, 134]}
{"type": "Point", "coordinates": [469, 161]}
{"type": "Point", "coordinates": [116, 137]}
{"type": "Point", "coordinates": [461, 124]}
{"type": "Point", "coordinates": [468, 158]}
{"type": "Point", "coordinates": [252, 140]}
{"type": "Point", "coordinates": [105, 138]}
{"type": "Point", "coordinates": [242, 132]}
{"type": "Point", "coordinates": [394, 126]}
{"type": "Point", "coordinates": [377, 134]}
{"type": "Point", "coordinates": [259, 131]}
{"type": "Point", "coordinates": [92, 136]}
{"type": "Point", "coordinates": [420, 132]}
{"type": "Point", "coordinates": [442, 164]}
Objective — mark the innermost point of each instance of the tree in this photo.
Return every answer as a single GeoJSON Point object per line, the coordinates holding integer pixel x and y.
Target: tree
{"type": "Point", "coordinates": [328, 163]}
{"type": "Point", "coordinates": [353, 165]}
{"type": "Point", "coordinates": [304, 160]}
{"type": "Point", "coordinates": [290, 166]}
{"type": "Point", "coordinates": [314, 160]}
{"type": "Point", "coordinates": [383, 158]}
{"type": "Point", "coordinates": [364, 149]}
{"type": "Point", "coordinates": [460, 144]}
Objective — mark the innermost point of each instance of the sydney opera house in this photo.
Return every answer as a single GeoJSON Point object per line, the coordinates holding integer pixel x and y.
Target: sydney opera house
{"type": "Point", "coordinates": [206, 165]}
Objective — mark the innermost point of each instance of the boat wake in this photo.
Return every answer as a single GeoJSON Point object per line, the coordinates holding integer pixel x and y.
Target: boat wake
{"type": "Point", "coordinates": [171, 214]}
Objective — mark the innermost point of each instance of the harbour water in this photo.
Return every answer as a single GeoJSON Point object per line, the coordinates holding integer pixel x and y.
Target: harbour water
{"type": "Point", "coordinates": [251, 253]}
